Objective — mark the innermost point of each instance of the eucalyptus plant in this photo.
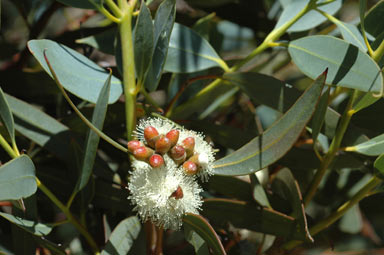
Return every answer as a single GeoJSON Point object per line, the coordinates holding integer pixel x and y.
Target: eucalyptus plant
{"type": "Point", "coordinates": [178, 148]}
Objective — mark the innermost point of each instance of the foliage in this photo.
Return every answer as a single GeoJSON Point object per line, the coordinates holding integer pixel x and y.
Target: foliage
{"type": "Point", "coordinates": [289, 92]}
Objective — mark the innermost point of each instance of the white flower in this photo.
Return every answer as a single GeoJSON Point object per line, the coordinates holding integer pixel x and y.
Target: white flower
{"type": "Point", "coordinates": [203, 148]}
{"type": "Point", "coordinates": [153, 193]}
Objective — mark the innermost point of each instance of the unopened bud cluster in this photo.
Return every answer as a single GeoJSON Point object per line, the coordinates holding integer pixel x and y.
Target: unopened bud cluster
{"type": "Point", "coordinates": [169, 159]}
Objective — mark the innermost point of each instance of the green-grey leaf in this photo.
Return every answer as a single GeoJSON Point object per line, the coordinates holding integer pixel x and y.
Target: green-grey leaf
{"type": "Point", "coordinates": [92, 140]}
{"type": "Point", "coordinates": [205, 231]}
{"type": "Point", "coordinates": [310, 19]}
{"type": "Point", "coordinates": [6, 116]}
{"type": "Point", "coordinates": [364, 101]}
{"type": "Point", "coordinates": [103, 41]}
{"type": "Point", "coordinates": [32, 227]}
{"type": "Point", "coordinates": [84, 4]}
{"type": "Point", "coordinates": [164, 20]}
{"type": "Point", "coordinates": [288, 187]}
{"type": "Point", "coordinates": [77, 74]}
{"type": "Point", "coordinates": [373, 22]}
{"type": "Point", "coordinates": [276, 141]}
{"type": "Point", "coordinates": [17, 179]}
{"type": "Point", "coordinates": [319, 115]}
{"type": "Point", "coordinates": [244, 215]}
{"type": "Point", "coordinates": [351, 34]}
{"type": "Point", "coordinates": [347, 65]}
{"type": "Point", "coordinates": [188, 52]}
{"type": "Point", "coordinates": [122, 237]}
{"type": "Point", "coordinates": [373, 147]}
{"type": "Point", "coordinates": [40, 127]}
{"type": "Point", "coordinates": [351, 222]}
{"type": "Point", "coordinates": [143, 41]}
{"type": "Point", "coordinates": [198, 243]}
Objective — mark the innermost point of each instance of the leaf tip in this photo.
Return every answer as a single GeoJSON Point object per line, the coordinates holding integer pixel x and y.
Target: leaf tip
{"type": "Point", "coordinates": [325, 72]}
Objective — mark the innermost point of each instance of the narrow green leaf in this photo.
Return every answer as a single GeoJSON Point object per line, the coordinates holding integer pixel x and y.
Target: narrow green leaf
{"type": "Point", "coordinates": [239, 189]}
{"type": "Point", "coordinates": [351, 34]}
{"type": "Point", "coordinates": [319, 115]}
{"type": "Point", "coordinates": [277, 140]}
{"type": "Point", "coordinates": [164, 19]}
{"type": "Point", "coordinates": [309, 20]}
{"type": "Point", "coordinates": [286, 185]}
{"type": "Point", "coordinates": [258, 191]}
{"type": "Point", "coordinates": [188, 52]}
{"type": "Point", "coordinates": [373, 22]}
{"type": "Point", "coordinates": [17, 179]}
{"type": "Point", "coordinates": [348, 66]}
{"type": "Point", "coordinates": [92, 140]}
{"type": "Point", "coordinates": [198, 243]}
{"type": "Point", "coordinates": [373, 147]}
{"type": "Point", "coordinates": [352, 221]}
{"type": "Point", "coordinates": [40, 127]}
{"type": "Point", "coordinates": [122, 237]}
{"type": "Point", "coordinates": [143, 41]}
{"type": "Point", "coordinates": [365, 100]}
{"type": "Point", "coordinates": [379, 165]}
{"type": "Point", "coordinates": [32, 227]}
{"type": "Point", "coordinates": [244, 215]}
{"type": "Point", "coordinates": [78, 74]}
{"type": "Point", "coordinates": [201, 226]}
{"type": "Point", "coordinates": [6, 116]}
{"type": "Point", "coordinates": [103, 41]}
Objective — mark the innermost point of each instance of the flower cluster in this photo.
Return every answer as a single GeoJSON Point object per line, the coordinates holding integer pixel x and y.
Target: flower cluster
{"type": "Point", "coordinates": [168, 161]}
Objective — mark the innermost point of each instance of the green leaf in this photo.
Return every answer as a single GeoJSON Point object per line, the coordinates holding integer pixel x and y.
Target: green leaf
{"type": "Point", "coordinates": [78, 74]}
{"type": "Point", "coordinates": [309, 20]}
{"type": "Point", "coordinates": [319, 115]}
{"type": "Point", "coordinates": [244, 215]}
{"type": "Point", "coordinates": [201, 247]}
{"type": "Point", "coordinates": [40, 127]}
{"type": "Point", "coordinates": [364, 101]}
{"type": "Point", "coordinates": [122, 237]}
{"type": "Point", "coordinates": [103, 41]}
{"type": "Point", "coordinates": [265, 89]}
{"type": "Point", "coordinates": [373, 147]}
{"type": "Point", "coordinates": [239, 189]}
{"type": "Point", "coordinates": [205, 231]}
{"type": "Point", "coordinates": [17, 179]}
{"type": "Point", "coordinates": [352, 221]}
{"type": "Point", "coordinates": [84, 4]}
{"type": "Point", "coordinates": [347, 65]}
{"type": "Point", "coordinates": [164, 19]}
{"type": "Point", "coordinates": [92, 140]}
{"type": "Point", "coordinates": [258, 191]}
{"type": "Point", "coordinates": [6, 116]}
{"type": "Point", "coordinates": [351, 34]}
{"type": "Point", "coordinates": [32, 227]}
{"type": "Point", "coordinates": [210, 3]}
{"type": "Point", "coordinates": [286, 186]}
{"type": "Point", "coordinates": [188, 52]}
{"type": "Point", "coordinates": [373, 22]}
{"type": "Point", "coordinates": [276, 141]}
{"type": "Point", "coordinates": [143, 41]}
{"type": "Point", "coordinates": [379, 165]}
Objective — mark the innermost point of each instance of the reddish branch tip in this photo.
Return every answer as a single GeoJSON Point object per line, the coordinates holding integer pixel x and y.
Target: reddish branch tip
{"type": "Point", "coordinates": [326, 71]}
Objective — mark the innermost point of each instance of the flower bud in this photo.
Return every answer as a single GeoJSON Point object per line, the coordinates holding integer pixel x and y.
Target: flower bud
{"type": "Point", "coordinates": [163, 145]}
{"type": "Point", "coordinates": [190, 168]}
{"type": "Point", "coordinates": [142, 153]}
{"type": "Point", "coordinates": [178, 193]}
{"type": "Point", "coordinates": [189, 145]}
{"type": "Point", "coordinates": [151, 135]}
{"type": "Point", "coordinates": [133, 145]}
{"type": "Point", "coordinates": [156, 161]}
{"type": "Point", "coordinates": [177, 153]}
{"type": "Point", "coordinates": [173, 136]}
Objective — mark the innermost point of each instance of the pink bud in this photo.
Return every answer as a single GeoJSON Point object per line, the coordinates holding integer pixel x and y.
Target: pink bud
{"type": "Point", "coordinates": [162, 145]}
{"type": "Point", "coordinates": [134, 144]}
{"type": "Point", "coordinates": [142, 153]}
{"type": "Point", "coordinates": [190, 168]}
{"type": "Point", "coordinates": [173, 136]}
{"type": "Point", "coordinates": [189, 145]}
{"type": "Point", "coordinates": [156, 160]}
{"type": "Point", "coordinates": [151, 135]}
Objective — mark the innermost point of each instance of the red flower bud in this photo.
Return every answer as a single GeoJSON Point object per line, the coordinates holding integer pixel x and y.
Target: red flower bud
{"type": "Point", "coordinates": [151, 135]}
{"type": "Point", "coordinates": [189, 145]}
{"type": "Point", "coordinates": [178, 193]}
{"type": "Point", "coordinates": [177, 153]}
{"type": "Point", "coordinates": [142, 153]}
{"type": "Point", "coordinates": [190, 168]}
{"type": "Point", "coordinates": [173, 136]}
{"type": "Point", "coordinates": [133, 145]}
{"type": "Point", "coordinates": [156, 161]}
{"type": "Point", "coordinates": [163, 145]}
